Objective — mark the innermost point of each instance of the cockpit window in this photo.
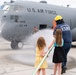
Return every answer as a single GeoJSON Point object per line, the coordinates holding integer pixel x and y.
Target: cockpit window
{"type": "Point", "coordinates": [6, 7]}
{"type": "Point", "coordinates": [16, 8]}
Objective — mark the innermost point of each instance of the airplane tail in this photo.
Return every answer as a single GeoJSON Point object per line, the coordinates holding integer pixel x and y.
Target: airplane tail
{"type": "Point", "coordinates": [42, 60]}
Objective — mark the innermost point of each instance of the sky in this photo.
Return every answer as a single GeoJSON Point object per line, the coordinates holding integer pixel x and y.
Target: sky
{"type": "Point", "coordinates": [72, 3]}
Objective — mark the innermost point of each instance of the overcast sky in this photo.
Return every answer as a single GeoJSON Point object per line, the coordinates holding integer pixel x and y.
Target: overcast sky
{"type": "Point", "coordinates": [72, 3]}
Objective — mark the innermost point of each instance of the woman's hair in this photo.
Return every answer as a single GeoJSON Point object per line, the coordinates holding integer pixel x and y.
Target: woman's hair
{"type": "Point", "coordinates": [58, 35]}
{"type": "Point", "coordinates": [60, 21]}
{"type": "Point", "coordinates": [41, 43]}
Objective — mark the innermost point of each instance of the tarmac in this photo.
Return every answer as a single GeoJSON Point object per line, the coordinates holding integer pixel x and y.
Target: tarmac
{"type": "Point", "coordinates": [13, 67]}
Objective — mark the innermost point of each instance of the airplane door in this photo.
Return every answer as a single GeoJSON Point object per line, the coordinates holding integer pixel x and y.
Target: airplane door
{"type": "Point", "coordinates": [42, 26]}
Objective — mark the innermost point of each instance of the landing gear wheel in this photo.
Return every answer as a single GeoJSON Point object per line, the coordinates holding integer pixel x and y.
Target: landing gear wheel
{"type": "Point", "coordinates": [16, 45]}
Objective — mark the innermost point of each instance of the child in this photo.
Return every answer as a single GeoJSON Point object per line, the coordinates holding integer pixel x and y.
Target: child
{"type": "Point", "coordinates": [40, 47]}
{"type": "Point", "coordinates": [59, 55]}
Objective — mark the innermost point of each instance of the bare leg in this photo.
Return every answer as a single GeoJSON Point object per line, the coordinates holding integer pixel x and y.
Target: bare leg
{"type": "Point", "coordinates": [59, 68]}
{"type": "Point", "coordinates": [55, 69]}
{"type": "Point", "coordinates": [43, 71]}
{"type": "Point", "coordinates": [38, 72]}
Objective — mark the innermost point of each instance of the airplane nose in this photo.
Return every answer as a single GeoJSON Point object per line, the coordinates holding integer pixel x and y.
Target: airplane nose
{"type": "Point", "coordinates": [3, 19]}
{"type": "Point", "coordinates": [2, 23]}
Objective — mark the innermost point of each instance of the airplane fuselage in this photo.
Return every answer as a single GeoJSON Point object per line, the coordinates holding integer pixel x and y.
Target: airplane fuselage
{"type": "Point", "coordinates": [20, 19]}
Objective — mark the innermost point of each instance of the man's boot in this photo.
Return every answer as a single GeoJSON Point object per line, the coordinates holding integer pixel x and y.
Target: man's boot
{"type": "Point", "coordinates": [64, 69]}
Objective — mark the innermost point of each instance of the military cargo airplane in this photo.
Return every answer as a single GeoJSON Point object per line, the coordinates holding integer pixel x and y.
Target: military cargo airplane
{"type": "Point", "coordinates": [21, 17]}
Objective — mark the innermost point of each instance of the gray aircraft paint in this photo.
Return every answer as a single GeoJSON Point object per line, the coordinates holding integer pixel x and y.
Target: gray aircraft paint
{"type": "Point", "coordinates": [19, 24]}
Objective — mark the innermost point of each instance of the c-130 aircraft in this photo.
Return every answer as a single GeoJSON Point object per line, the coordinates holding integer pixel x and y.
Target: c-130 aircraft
{"type": "Point", "coordinates": [22, 16]}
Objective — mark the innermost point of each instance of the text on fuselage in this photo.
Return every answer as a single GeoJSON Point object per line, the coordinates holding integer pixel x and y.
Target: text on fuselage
{"type": "Point", "coordinates": [41, 11]}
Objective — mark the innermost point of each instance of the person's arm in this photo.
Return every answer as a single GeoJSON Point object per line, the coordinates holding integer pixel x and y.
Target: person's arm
{"type": "Point", "coordinates": [62, 42]}
{"type": "Point", "coordinates": [51, 44]}
{"type": "Point", "coordinates": [54, 31]}
{"type": "Point", "coordinates": [57, 27]}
